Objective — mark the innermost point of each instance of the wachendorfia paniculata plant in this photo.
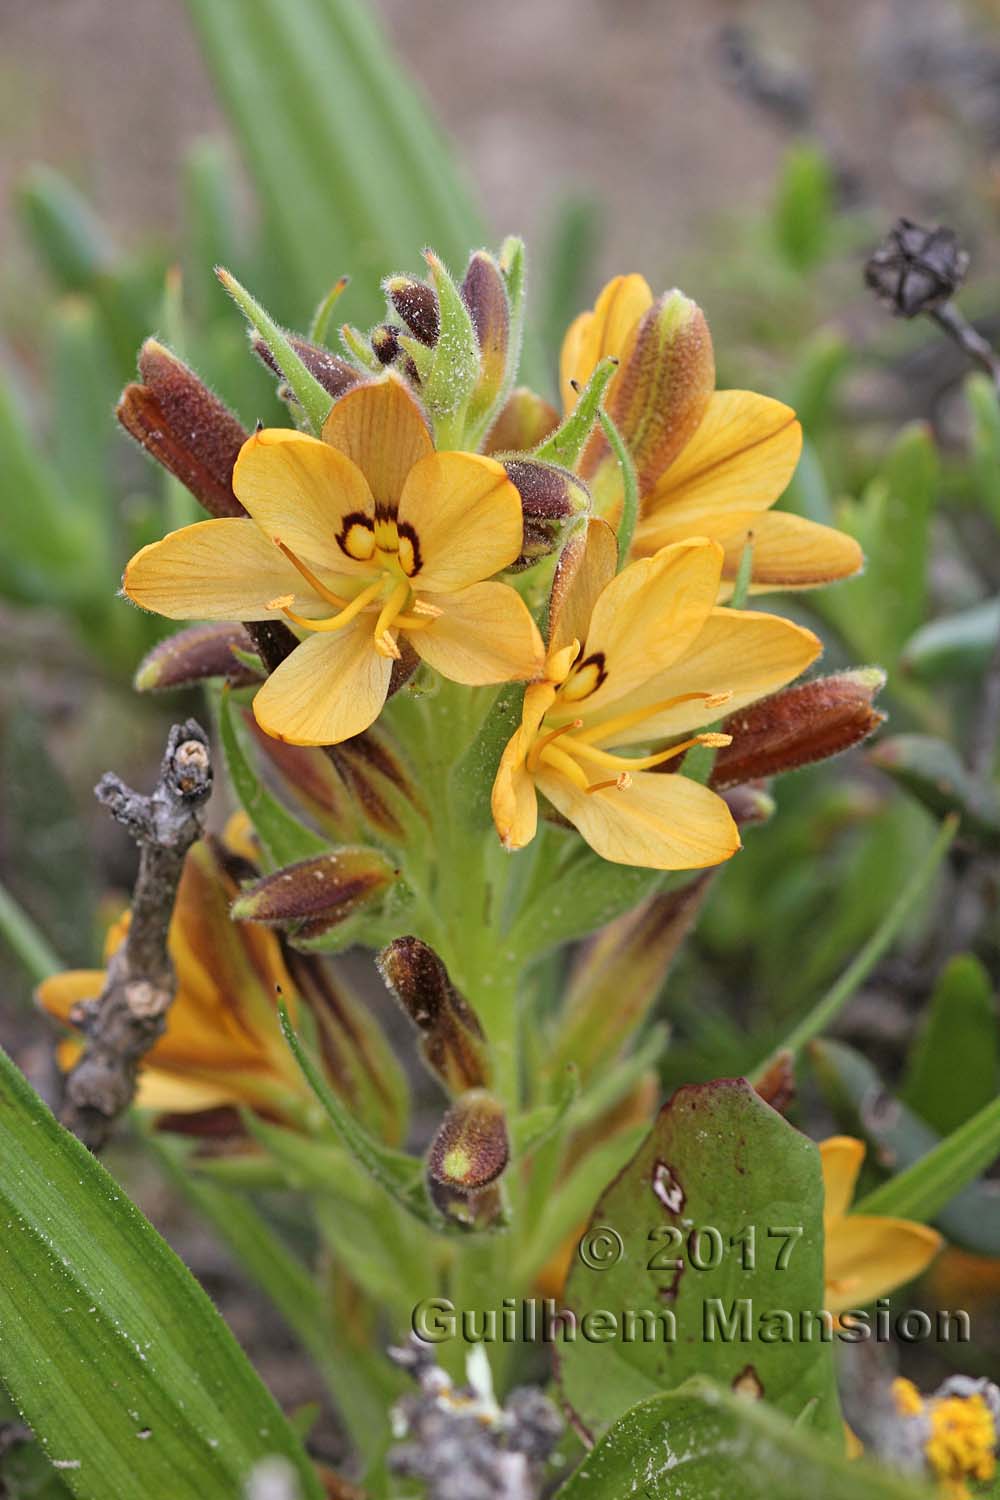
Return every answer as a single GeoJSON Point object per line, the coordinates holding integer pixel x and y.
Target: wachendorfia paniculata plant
{"type": "Point", "coordinates": [497, 701]}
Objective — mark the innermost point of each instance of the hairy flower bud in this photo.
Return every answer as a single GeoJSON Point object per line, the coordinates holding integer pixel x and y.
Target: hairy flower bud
{"type": "Point", "coordinates": [798, 726]}
{"type": "Point", "coordinates": [195, 655]}
{"type": "Point", "coordinates": [312, 896]}
{"type": "Point", "coordinates": [417, 305]}
{"type": "Point", "coordinates": [334, 374]}
{"type": "Point", "coordinates": [552, 500]}
{"type": "Point", "coordinates": [916, 269]}
{"type": "Point", "coordinates": [385, 343]}
{"type": "Point", "coordinates": [186, 428]}
{"type": "Point", "coordinates": [484, 293]}
{"type": "Point", "coordinates": [453, 1045]}
{"type": "Point", "coordinates": [525, 421]}
{"type": "Point", "coordinates": [471, 1148]}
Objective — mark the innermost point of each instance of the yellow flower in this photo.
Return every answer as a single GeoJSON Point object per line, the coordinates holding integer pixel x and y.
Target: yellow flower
{"type": "Point", "coordinates": [957, 1431]}
{"type": "Point", "coordinates": [709, 463]}
{"type": "Point", "coordinates": [638, 658]}
{"type": "Point", "coordinates": [358, 540]}
{"type": "Point", "coordinates": [866, 1256]}
{"type": "Point", "coordinates": [223, 1048]}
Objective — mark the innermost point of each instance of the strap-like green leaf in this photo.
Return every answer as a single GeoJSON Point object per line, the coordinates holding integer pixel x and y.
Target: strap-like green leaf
{"type": "Point", "coordinates": [111, 1350]}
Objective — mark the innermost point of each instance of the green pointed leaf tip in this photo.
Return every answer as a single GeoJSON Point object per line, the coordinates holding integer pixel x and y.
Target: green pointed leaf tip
{"type": "Point", "coordinates": [959, 1040]}
{"type": "Point", "coordinates": [314, 400]}
{"type": "Point", "coordinates": [113, 1353]}
{"type": "Point", "coordinates": [455, 368]}
{"type": "Point", "coordinates": [717, 1229]}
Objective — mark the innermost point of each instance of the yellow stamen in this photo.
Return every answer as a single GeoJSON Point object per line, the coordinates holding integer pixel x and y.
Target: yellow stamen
{"type": "Point", "coordinates": [309, 575]}
{"type": "Point", "coordinates": [565, 764]}
{"type": "Point", "coordinates": [537, 748]}
{"type": "Point", "coordinates": [620, 783]}
{"type": "Point", "coordinates": [640, 715]}
{"type": "Point", "coordinates": [344, 617]}
{"type": "Point", "coordinates": [643, 762]}
{"type": "Point", "coordinates": [392, 607]}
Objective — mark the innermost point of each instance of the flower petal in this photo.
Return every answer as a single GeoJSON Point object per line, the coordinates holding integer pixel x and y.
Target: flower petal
{"type": "Point", "coordinates": [330, 688]}
{"type": "Point", "coordinates": [658, 821]}
{"type": "Point", "coordinates": [741, 457]}
{"type": "Point", "coordinates": [840, 1158]}
{"type": "Point", "coordinates": [604, 330]}
{"type": "Point", "coordinates": [60, 992]}
{"type": "Point", "coordinates": [380, 427]}
{"type": "Point", "coordinates": [867, 1257]}
{"type": "Point", "coordinates": [168, 1093]}
{"type": "Point", "coordinates": [789, 552]}
{"type": "Point", "coordinates": [484, 634]}
{"type": "Point", "coordinates": [300, 490]}
{"type": "Point", "coordinates": [217, 570]}
{"type": "Point", "coordinates": [513, 802]}
{"type": "Point", "coordinates": [466, 513]}
{"type": "Point", "coordinates": [743, 652]}
{"type": "Point", "coordinates": [645, 619]}
{"type": "Point", "coordinates": [586, 566]}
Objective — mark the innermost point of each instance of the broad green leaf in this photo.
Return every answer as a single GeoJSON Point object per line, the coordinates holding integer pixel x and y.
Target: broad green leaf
{"type": "Point", "coordinates": [932, 1181]}
{"type": "Point", "coordinates": [110, 1349]}
{"type": "Point", "coordinates": [982, 398]}
{"type": "Point", "coordinates": [933, 772]}
{"type": "Point", "coordinates": [701, 1442]}
{"type": "Point", "coordinates": [716, 1228]}
{"type": "Point", "coordinates": [960, 1040]}
{"type": "Point", "coordinates": [957, 645]}
{"type": "Point", "coordinates": [283, 837]}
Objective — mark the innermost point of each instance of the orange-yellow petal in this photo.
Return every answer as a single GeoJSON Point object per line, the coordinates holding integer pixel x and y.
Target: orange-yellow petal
{"type": "Point", "coordinates": [602, 331]}
{"type": "Point", "coordinates": [514, 803]}
{"type": "Point", "coordinates": [867, 1257]}
{"type": "Point", "coordinates": [380, 427]}
{"type": "Point", "coordinates": [840, 1158]}
{"type": "Point", "coordinates": [217, 570]}
{"type": "Point", "coordinates": [658, 821]}
{"type": "Point", "coordinates": [169, 1093]}
{"type": "Point", "coordinates": [484, 634]}
{"type": "Point", "coordinates": [586, 565]}
{"type": "Point", "coordinates": [60, 992]}
{"type": "Point", "coordinates": [740, 458]}
{"type": "Point", "coordinates": [467, 517]}
{"type": "Point", "coordinates": [745, 653]}
{"type": "Point", "coordinates": [330, 688]}
{"type": "Point", "coordinates": [301, 490]}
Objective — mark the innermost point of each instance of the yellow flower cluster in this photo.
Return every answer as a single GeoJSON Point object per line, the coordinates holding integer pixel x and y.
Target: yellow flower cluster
{"type": "Point", "coordinates": [959, 1434]}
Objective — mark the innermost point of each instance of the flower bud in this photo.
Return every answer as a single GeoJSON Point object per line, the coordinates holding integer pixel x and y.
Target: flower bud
{"type": "Point", "coordinates": [552, 501]}
{"type": "Point", "coordinates": [471, 1148]}
{"type": "Point", "coordinates": [417, 305]}
{"type": "Point", "coordinates": [749, 803]}
{"type": "Point", "coordinates": [484, 293]}
{"type": "Point", "coordinates": [915, 269]}
{"type": "Point", "coordinates": [453, 1044]}
{"type": "Point", "coordinates": [798, 726]}
{"type": "Point", "coordinates": [194, 655]}
{"type": "Point", "coordinates": [186, 428]}
{"type": "Point", "coordinates": [525, 421]}
{"type": "Point", "coordinates": [310, 776]}
{"type": "Point", "coordinates": [659, 395]}
{"type": "Point", "coordinates": [312, 896]}
{"type": "Point", "coordinates": [385, 343]}
{"type": "Point", "coordinates": [334, 374]}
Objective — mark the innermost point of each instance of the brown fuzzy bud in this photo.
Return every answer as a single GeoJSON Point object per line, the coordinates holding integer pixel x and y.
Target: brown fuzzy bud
{"type": "Point", "coordinates": [417, 305]}
{"type": "Point", "coordinates": [915, 269]}
{"type": "Point", "coordinates": [315, 895]}
{"type": "Point", "coordinates": [194, 655]}
{"type": "Point", "coordinates": [471, 1148]}
{"type": "Point", "coordinates": [525, 421]}
{"type": "Point", "coordinates": [798, 726]}
{"type": "Point", "coordinates": [185, 427]}
{"type": "Point", "coordinates": [385, 343]}
{"type": "Point", "coordinates": [552, 500]}
{"type": "Point", "coordinates": [453, 1045]}
{"type": "Point", "coordinates": [749, 803]}
{"type": "Point", "coordinates": [334, 374]}
{"type": "Point", "coordinates": [484, 293]}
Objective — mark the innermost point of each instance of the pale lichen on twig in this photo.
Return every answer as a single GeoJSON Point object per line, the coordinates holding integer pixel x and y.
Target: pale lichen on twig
{"type": "Point", "coordinates": [125, 1020]}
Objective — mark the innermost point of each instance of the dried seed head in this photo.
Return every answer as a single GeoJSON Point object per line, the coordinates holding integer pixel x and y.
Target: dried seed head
{"type": "Point", "coordinates": [916, 269]}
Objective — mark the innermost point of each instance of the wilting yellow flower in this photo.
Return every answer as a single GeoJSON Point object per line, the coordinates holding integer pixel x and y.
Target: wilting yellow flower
{"type": "Point", "coordinates": [358, 540]}
{"type": "Point", "coordinates": [223, 1046]}
{"type": "Point", "coordinates": [639, 659]}
{"type": "Point", "coordinates": [709, 463]}
{"type": "Point", "coordinates": [867, 1256]}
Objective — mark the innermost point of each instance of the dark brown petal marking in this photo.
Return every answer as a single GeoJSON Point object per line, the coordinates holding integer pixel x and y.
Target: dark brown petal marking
{"type": "Point", "coordinates": [356, 537]}
{"type": "Point", "coordinates": [410, 559]}
{"type": "Point", "coordinates": [585, 678]}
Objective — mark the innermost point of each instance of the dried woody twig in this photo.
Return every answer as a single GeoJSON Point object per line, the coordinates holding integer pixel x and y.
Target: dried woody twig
{"type": "Point", "coordinates": [127, 1018]}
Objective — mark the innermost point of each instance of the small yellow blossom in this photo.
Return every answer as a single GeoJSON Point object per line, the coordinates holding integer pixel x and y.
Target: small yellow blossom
{"type": "Point", "coordinates": [867, 1256]}
{"type": "Point", "coordinates": [358, 540]}
{"type": "Point", "coordinates": [958, 1433]}
{"type": "Point", "coordinates": [639, 658]}
{"type": "Point", "coordinates": [709, 463]}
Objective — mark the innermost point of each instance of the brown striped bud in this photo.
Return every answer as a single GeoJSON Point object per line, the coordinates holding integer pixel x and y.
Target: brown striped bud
{"type": "Point", "coordinates": [525, 421]}
{"type": "Point", "coordinates": [453, 1043]}
{"type": "Point", "coordinates": [484, 293]}
{"type": "Point", "coordinates": [471, 1148]}
{"type": "Point", "coordinates": [749, 803]}
{"type": "Point", "coordinates": [385, 343]}
{"type": "Point", "coordinates": [417, 305]}
{"type": "Point", "coordinates": [195, 655]}
{"type": "Point", "coordinates": [309, 775]}
{"type": "Point", "coordinates": [552, 501]}
{"type": "Point", "coordinates": [798, 726]}
{"type": "Point", "coordinates": [334, 374]}
{"type": "Point", "coordinates": [312, 896]}
{"type": "Point", "coordinates": [186, 428]}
